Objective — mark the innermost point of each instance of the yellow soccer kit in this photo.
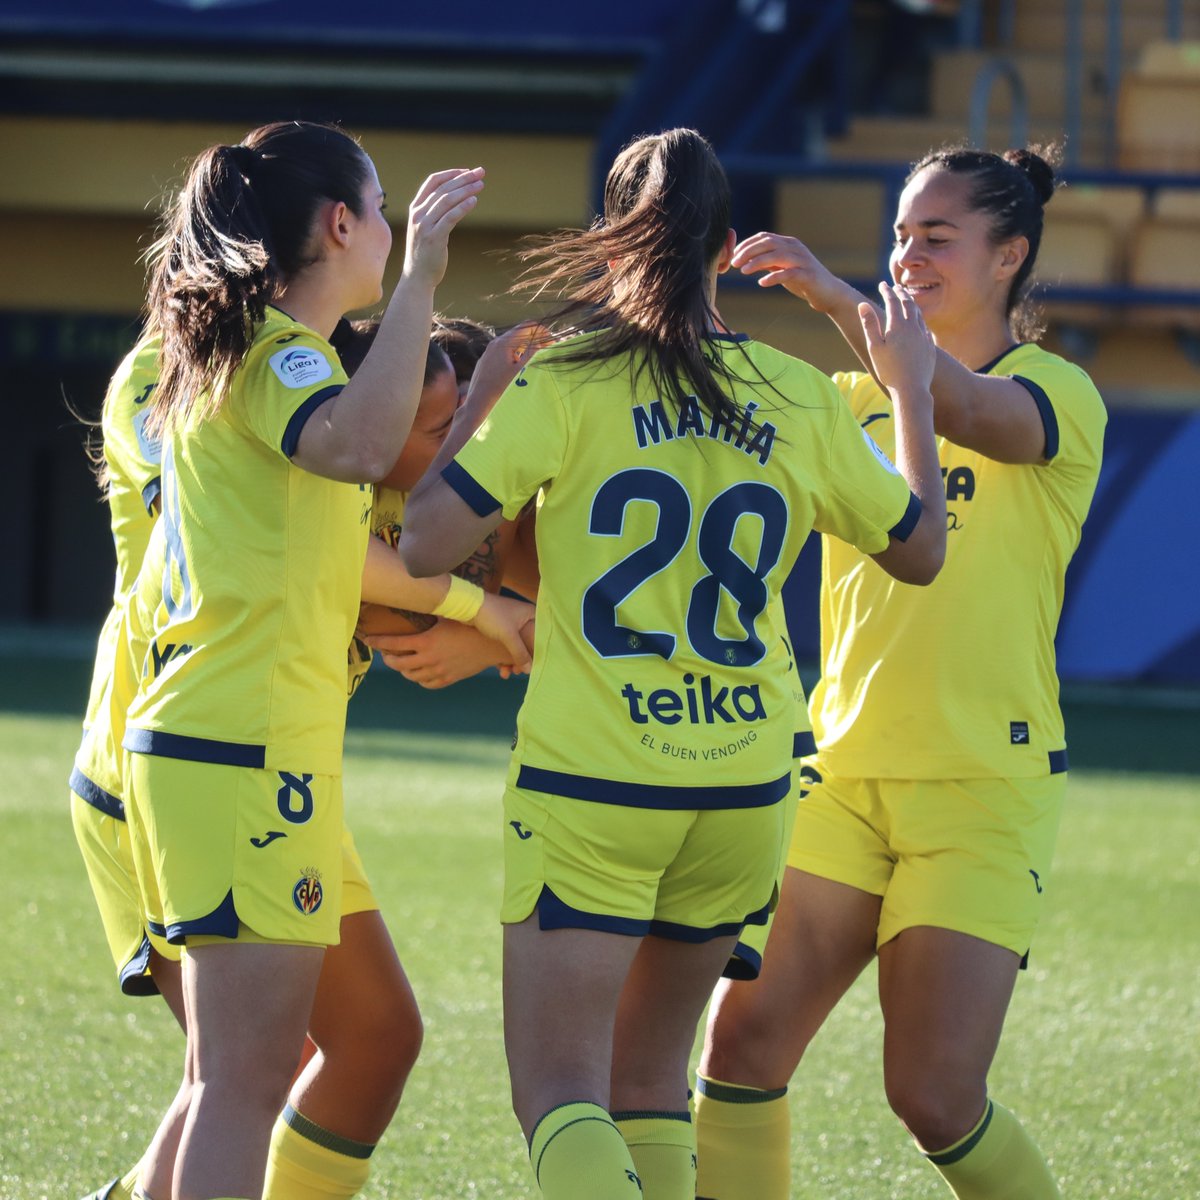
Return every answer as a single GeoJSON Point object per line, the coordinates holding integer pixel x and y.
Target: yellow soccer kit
{"type": "Point", "coordinates": [956, 680]}
{"type": "Point", "coordinates": [661, 676]}
{"type": "Point", "coordinates": [664, 539]}
{"type": "Point", "coordinates": [940, 774]}
{"type": "Point", "coordinates": [265, 568]}
{"type": "Point", "coordinates": [237, 728]}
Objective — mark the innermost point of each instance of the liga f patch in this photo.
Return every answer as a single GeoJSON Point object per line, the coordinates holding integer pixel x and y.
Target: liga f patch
{"type": "Point", "coordinates": [300, 366]}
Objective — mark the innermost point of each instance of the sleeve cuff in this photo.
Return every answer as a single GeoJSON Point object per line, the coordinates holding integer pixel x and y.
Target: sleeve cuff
{"type": "Point", "coordinates": [291, 435]}
{"type": "Point", "coordinates": [1046, 409]}
{"type": "Point", "coordinates": [908, 522]}
{"type": "Point", "coordinates": [480, 500]}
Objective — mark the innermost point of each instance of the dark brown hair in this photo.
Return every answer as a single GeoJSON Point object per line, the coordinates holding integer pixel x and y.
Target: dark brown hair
{"type": "Point", "coordinates": [240, 227]}
{"type": "Point", "coordinates": [1013, 189]}
{"type": "Point", "coordinates": [638, 278]}
{"type": "Point", "coordinates": [464, 342]}
{"type": "Point", "coordinates": [352, 340]}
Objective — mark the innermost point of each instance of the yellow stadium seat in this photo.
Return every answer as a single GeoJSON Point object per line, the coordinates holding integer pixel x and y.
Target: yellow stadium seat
{"type": "Point", "coordinates": [1164, 256]}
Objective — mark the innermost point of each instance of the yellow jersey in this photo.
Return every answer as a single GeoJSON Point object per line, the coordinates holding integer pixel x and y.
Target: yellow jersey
{"type": "Point", "coordinates": [262, 577]}
{"type": "Point", "coordinates": [132, 459]}
{"type": "Point", "coordinates": [957, 680]}
{"type": "Point", "coordinates": [661, 672]}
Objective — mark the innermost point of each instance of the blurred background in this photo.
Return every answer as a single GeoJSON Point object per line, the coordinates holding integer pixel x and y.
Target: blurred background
{"type": "Point", "coordinates": [816, 107]}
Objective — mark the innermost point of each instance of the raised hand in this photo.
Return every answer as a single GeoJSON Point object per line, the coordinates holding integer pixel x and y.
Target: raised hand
{"type": "Point", "coordinates": [902, 349]}
{"type": "Point", "coordinates": [440, 203]}
{"type": "Point", "coordinates": [789, 263]}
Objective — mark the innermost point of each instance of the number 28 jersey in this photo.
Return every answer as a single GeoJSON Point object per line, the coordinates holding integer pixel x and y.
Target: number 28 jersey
{"type": "Point", "coordinates": [660, 674]}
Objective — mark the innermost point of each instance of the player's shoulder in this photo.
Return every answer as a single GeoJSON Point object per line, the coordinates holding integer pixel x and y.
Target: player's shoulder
{"type": "Point", "coordinates": [290, 353]}
{"type": "Point", "coordinates": [1065, 382]}
{"type": "Point", "coordinates": [134, 379]}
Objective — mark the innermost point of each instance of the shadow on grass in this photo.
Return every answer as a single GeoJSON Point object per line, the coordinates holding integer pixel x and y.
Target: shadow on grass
{"type": "Point", "coordinates": [1111, 729]}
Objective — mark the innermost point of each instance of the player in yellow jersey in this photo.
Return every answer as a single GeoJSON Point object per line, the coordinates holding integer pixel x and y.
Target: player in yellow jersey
{"type": "Point", "coordinates": [682, 467]}
{"type": "Point", "coordinates": [233, 793]}
{"type": "Point", "coordinates": [364, 1017]}
{"type": "Point", "coordinates": [927, 835]}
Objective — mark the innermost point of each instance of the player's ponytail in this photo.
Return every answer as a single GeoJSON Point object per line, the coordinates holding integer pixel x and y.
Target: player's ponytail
{"type": "Point", "coordinates": [639, 275]}
{"type": "Point", "coordinates": [1013, 190]}
{"type": "Point", "coordinates": [237, 231]}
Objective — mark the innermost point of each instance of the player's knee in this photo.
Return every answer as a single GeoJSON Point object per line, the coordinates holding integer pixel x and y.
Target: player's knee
{"type": "Point", "coordinates": [937, 1111]}
{"type": "Point", "coordinates": [745, 1041]}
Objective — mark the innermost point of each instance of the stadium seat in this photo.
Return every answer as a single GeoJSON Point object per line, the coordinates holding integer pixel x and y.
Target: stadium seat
{"type": "Point", "coordinates": [1163, 256]}
{"type": "Point", "coordinates": [1080, 247]}
{"type": "Point", "coordinates": [1158, 124]}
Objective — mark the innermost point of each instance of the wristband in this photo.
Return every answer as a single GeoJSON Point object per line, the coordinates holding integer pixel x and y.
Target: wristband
{"type": "Point", "coordinates": [462, 601]}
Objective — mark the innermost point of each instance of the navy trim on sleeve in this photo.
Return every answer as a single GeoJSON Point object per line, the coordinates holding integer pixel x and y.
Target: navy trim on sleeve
{"type": "Point", "coordinates": [1058, 761]}
{"type": "Point", "coordinates": [93, 794]}
{"type": "Point", "coordinates": [291, 435]}
{"type": "Point", "coordinates": [907, 523]}
{"type": "Point", "coordinates": [151, 492]}
{"type": "Point", "coordinates": [641, 795]}
{"type": "Point", "coordinates": [194, 749]}
{"type": "Point", "coordinates": [803, 744]}
{"type": "Point", "coordinates": [481, 501]}
{"type": "Point", "coordinates": [727, 337]}
{"type": "Point", "coordinates": [1045, 410]}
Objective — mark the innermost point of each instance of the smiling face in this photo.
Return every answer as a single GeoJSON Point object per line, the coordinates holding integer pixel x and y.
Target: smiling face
{"type": "Point", "coordinates": [944, 256]}
{"type": "Point", "coordinates": [439, 400]}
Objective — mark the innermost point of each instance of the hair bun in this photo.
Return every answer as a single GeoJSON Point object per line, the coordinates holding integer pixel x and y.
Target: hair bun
{"type": "Point", "coordinates": [1036, 169]}
{"type": "Point", "coordinates": [245, 158]}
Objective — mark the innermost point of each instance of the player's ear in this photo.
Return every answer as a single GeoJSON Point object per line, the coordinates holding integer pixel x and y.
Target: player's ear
{"type": "Point", "coordinates": [1012, 254]}
{"type": "Point", "coordinates": [334, 222]}
{"type": "Point", "coordinates": [725, 254]}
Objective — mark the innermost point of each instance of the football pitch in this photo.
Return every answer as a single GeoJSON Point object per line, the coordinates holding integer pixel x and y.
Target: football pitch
{"type": "Point", "coordinates": [1100, 1057]}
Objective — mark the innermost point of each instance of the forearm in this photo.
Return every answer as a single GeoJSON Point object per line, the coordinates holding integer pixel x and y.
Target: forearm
{"type": "Point", "coordinates": [917, 461]}
{"type": "Point", "coordinates": [387, 581]}
{"type": "Point", "coordinates": [357, 435]}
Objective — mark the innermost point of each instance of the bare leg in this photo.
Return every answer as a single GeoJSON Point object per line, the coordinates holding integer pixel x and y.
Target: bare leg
{"type": "Point", "coordinates": [368, 1032]}
{"type": "Point", "coordinates": [248, 1006]}
{"type": "Point", "coordinates": [822, 937]}
{"type": "Point", "coordinates": [944, 997]}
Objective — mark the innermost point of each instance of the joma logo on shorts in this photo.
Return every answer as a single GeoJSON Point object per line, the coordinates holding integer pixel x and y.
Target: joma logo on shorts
{"type": "Point", "coordinates": [699, 703]}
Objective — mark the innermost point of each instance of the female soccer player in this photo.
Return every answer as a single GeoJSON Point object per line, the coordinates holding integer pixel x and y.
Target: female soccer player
{"type": "Point", "coordinates": [234, 796]}
{"type": "Point", "coordinates": [927, 835]}
{"type": "Point", "coordinates": [365, 1029]}
{"type": "Point", "coordinates": [682, 468]}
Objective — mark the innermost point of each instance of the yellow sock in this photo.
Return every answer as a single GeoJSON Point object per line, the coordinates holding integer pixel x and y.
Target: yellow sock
{"type": "Point", "coordinates": [577, 1153]}
{"type": "Point", "coordinates": [997, 1160]}
{"type": "Point", "coordinates": [310, 1163]}
{"type": "Point", "coordinates": [744, 1138]}
{"type": "Point", "coordinates": [663, 1148]}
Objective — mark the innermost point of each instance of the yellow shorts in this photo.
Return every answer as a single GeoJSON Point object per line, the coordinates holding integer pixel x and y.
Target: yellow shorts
{"type": "Point", "coordinates": [108, 856]}
{"type": "Point", "coordinates": [971, 855]}
{"type": "Point", "coordinates": [216, 847]}
{"type": "Point", "coordinates": [690, 875]}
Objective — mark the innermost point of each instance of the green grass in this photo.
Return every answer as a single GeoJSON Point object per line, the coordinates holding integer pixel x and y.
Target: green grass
{"type": "Point", "coordinates": [1100, 1057]}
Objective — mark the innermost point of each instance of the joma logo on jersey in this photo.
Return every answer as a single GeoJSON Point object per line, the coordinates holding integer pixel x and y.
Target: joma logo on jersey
{"type": "Point", "coordinates": [652, 424]}
{"type": "Point", "coordinates": [699, 703]}
{"type": "Point", "coordinates": [170, 651]}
